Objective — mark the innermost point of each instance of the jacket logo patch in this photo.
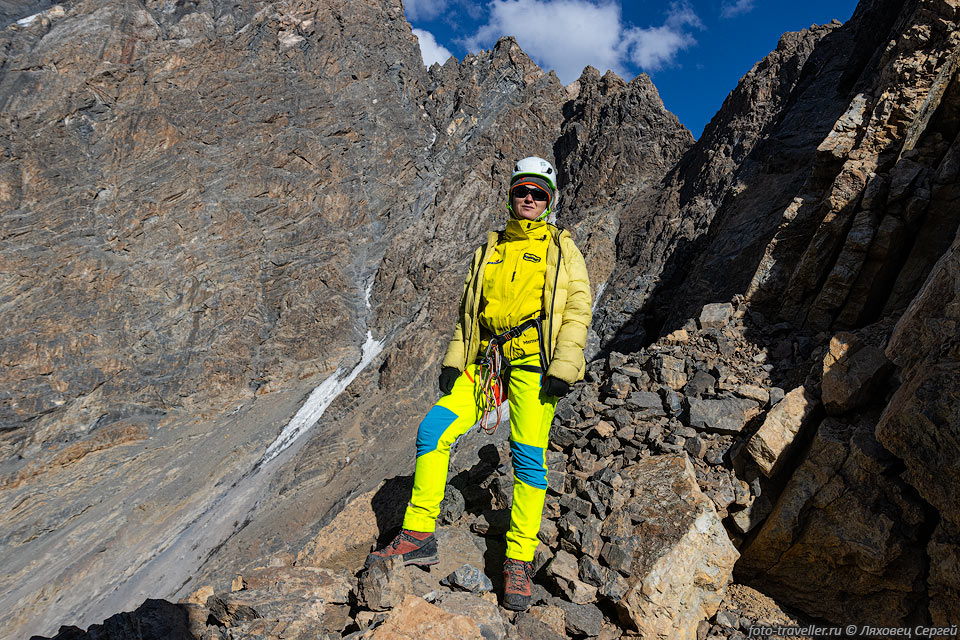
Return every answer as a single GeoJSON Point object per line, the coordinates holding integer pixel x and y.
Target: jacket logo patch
{"type": "Point", "coordinates": [495, 261]}
{"type": "Point", "coordinates": [529, 257]}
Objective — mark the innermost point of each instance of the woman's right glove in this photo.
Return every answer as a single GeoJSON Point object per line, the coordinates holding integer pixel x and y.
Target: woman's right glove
{"type": "Point", "coordinates": [448, 375]}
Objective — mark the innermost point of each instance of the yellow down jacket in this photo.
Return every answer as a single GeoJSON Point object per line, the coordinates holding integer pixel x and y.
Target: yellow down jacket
{"type": "Point", "coordinates": [565, 307]}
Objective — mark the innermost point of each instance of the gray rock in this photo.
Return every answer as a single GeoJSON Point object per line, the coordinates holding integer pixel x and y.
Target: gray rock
{"type": "Point", "coordinates": [579, 592]}
{"type": "Point", "coordinates": [728, 619]}
{"type": "Point", "coordinates": [673, 401]}
{"type": "Point", "coordinates": [452, 507]}
{"type": "Point", "coordinates": [722, 415]}
{"type": "Point", "coordinates": [696, 447]}
{"type": "Point", "coordinates": [619, 386]}
{"type": "Point", "coordinates": [614, 585]}
{"type": "Point", "coordinates": [527, 627]}
{"type": "Point", "coordinates": [618, 556]}
{"type": "Point", "coordinates": [581, 619]}
{"type": "Point", "coordinates": [670, 371]}
{"type": "Point", "coordinates": [468, 578]}
{"type": "Point", "coordinates": [678, 542]}
{"type": "Point", "coordinates": [646, 403]}
{"type": "Point", "coordinates": [590, 542]}
{"type": "Point", "coordinates": [549, 533]}
{"type": "Point", "coordinates": [753, 515]}
{"type": "Point", "coordinates": [702, 384]}
{"type": "Point", "coordinates": [578, 505]}
{"type": "Point", "coordinates": [776, 395]}
{"type": "Point", "coordinates": [590, 571]}
{"type": "Point", "coordinates": [502, 489]}
{"type": "Point", "coordinates": [563, 436]}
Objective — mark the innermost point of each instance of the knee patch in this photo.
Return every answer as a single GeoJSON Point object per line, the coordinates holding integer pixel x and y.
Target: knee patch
{"type": "Point", "coordinates": [529, 465]}
{"type": "Point", "coordinates": [432, 427]}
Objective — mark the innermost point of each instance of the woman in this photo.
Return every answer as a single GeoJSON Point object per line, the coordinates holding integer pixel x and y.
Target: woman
{"type": "Point", "coordinates": [527, 293]}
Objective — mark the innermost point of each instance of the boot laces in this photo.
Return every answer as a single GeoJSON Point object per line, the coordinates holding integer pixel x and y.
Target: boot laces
{"type": "Point", "coordinates": [518, 572]}
{"type": "Point", "coordinates": [394, 544]}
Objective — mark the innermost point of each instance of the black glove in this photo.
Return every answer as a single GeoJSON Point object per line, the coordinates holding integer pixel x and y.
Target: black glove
{"type": "Point", "coordinates": [555, 387]}
{"type": "Point", "coordinates": [448, 375]}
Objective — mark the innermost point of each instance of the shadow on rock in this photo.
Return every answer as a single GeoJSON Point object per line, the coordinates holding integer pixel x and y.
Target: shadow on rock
{"type": "Point", "coordinates": [153, 620]}
{"type": "Point", "coordinates": [389, 505]}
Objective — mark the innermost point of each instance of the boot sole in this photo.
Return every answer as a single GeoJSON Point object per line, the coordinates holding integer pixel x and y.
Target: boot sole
{"type": "Point", "coordinates": [420, 562]}
{"type": "Point", "coordinates": [516, 603]}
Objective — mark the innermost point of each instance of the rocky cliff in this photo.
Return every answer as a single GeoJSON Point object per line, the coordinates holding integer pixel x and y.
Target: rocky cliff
{"type": "Point", "coordinates": [216, 214]}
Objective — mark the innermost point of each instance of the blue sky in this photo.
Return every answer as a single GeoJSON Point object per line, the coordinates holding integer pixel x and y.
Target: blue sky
{"type": "Point", "coordinates": [694, 50]}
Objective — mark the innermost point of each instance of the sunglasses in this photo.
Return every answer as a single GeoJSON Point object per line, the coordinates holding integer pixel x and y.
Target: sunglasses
{"type": "Point", "coordinates": [538, 194]}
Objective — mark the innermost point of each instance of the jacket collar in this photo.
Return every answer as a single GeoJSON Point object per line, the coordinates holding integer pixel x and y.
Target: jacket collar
{"type": "Point", "coordinates": [525, 229]}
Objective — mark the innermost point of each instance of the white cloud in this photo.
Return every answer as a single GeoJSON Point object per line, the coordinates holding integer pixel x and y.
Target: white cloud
{"type": "Point", "coordinates": [731, 9]}
{"type": "Point", "coordinates": [430, 50]}
{"type": "Point", "coordinates": [653, 48]}
{"type": "Point", "coordinates": [423, 9]}
{"type": "Point", "coordinates": [563, 35]}
{"type": "Point", "coordinates": [567, 35]}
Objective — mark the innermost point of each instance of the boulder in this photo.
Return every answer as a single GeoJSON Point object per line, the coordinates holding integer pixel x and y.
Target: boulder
{"type": "Point", "coordinates": [851, 373]}
{"type": "Point", "coordinates": [770, 444]}
{"type": "Point", "coordinates": [845, 539]}
{"type": "Point", "coordinates": [318, 583]}
{"type": "Point", "coordinates": [581, 619]}
{"type": "Point", "coordinates": [384, 584]}
{"type": "Point", "coordinates": [722, 415]}
{"type": "Point", "coordinates": [416, 619]}
{"type": "Point", "coordinates": [716, 315]}
{"type": "Point", "coordinates": [682, 558]}
{"type": "Point", "coordinates": [528, 627]}
{"type": "Point", "coordinates": [670, 371]}
{"type": "Point", "coordinates": [646, 404]}
{"type": "Point", "coordinates": [701, 384]}
{"type": "Point", "coordinates": [484, 612]}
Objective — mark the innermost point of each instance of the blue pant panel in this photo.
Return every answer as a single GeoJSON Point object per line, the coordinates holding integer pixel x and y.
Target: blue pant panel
{"type": "Point", "coordinates": [529, 464]}
{"type": "Point", "coordinates": [432, 427]}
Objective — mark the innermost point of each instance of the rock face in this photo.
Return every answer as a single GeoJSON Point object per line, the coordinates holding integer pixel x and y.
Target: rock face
{"type": "Point", "coordinates": [834, 216]}
{"type": "Point", "coordinates": [840, 542]}
{"type": "Point", "coordinates": [771, 443]}
{"type": "Point", "coordinates": [236, 194]}
{"type": "Point", "coordinates": [683, 558]}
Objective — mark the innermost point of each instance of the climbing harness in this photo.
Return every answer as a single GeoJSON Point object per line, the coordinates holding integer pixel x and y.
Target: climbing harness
{"type": "Point", "coordinates": [492, 369]}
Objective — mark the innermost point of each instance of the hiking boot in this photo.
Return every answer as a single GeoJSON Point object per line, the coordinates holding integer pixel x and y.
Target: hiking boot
{"type": "Point", "coordinates": [516, 584]}
{"type": "Point", "coordinates": [419, 552]}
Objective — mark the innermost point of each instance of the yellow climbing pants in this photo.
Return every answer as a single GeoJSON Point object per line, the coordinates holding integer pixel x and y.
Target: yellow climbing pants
{"type": "Point", "coordinates": [531, 412]}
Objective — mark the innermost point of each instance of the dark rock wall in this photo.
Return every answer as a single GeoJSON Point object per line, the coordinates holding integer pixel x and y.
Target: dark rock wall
{"type": "Point", "coordinates": [206, 207]}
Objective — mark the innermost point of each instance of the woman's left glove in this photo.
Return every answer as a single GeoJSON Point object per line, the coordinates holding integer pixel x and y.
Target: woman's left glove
{"type": "Point", "coordinates": [448, 376]}
{"type": "Point", "coordinates": [555, 387]}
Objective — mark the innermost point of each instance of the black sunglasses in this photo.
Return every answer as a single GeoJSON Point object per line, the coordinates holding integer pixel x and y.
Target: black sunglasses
{"type": "Point", "coordinates": [538, 194]}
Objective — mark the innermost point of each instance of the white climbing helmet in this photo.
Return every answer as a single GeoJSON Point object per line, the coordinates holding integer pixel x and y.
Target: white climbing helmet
{"type": "Point", "coordinates": [534, 167]}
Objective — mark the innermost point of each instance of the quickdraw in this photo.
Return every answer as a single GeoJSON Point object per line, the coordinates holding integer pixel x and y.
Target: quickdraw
{"type": "Point", "coordinates": [491, 368]}
{"type": "Point", "coordinates": [491, 386]}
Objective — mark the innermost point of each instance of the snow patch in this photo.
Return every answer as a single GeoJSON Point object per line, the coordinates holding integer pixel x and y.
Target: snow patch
{"type": "Point", "coordinates": [318, 402]}
{"type": "Point", "coordinates": [596, 298]}
{"type": "Point", "coordinates": [366, 295]}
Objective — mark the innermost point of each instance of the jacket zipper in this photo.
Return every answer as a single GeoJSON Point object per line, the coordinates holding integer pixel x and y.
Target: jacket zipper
{"type": "Point", "coordinates": [553, 299]}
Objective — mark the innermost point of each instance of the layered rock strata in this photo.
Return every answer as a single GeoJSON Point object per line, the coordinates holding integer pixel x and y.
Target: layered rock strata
{"type": "Point", "coordinates": [207, 207]}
